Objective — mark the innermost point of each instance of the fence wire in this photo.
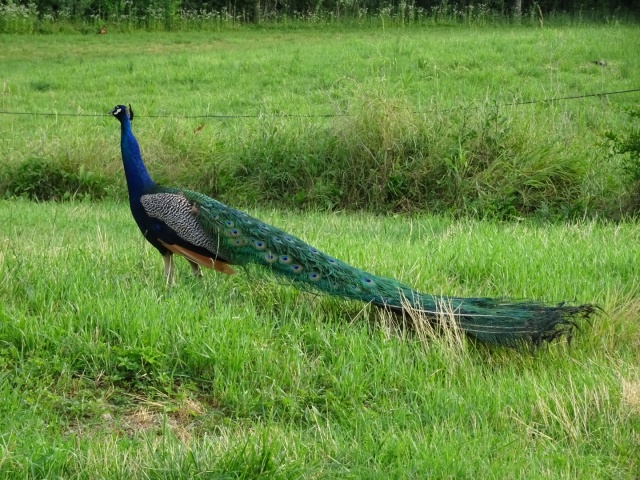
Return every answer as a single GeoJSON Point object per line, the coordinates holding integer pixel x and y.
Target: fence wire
{"type": "Point", "coordinates": [311, 115]}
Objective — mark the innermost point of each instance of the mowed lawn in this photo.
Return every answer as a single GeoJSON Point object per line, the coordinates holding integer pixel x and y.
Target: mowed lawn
{"type": "Point", "coordinates": [106, 373]}
{"type": "Point", "coordinates": [312, 71]}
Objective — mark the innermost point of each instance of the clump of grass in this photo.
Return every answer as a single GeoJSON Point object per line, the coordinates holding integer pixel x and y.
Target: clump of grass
{"type": "Point", "coordinates": [384, 156]}
{"type": "Point", "coordinates": [45, 179]}
{"type": "Point", "coordinates": [381, 155]}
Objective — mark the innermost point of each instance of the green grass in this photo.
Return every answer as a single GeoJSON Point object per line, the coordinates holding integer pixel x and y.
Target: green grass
{"type": "Point", "coordinates": [429, 127]}
{"type": "Point", "coordinates": [106, 373]}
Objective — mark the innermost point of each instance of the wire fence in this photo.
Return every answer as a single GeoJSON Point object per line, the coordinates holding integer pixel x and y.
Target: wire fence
{"type": "Point", "coordinates": [311, 115]}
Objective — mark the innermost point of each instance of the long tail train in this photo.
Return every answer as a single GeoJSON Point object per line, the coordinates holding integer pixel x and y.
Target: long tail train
{"type": "Point", "coordinates": [245, 240]}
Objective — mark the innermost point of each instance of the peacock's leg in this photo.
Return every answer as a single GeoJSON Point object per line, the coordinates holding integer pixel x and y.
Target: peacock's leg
{"type": "Point", "coordinates": [195, 268]}
{"type": "Point", "coordinates": [168, 267]}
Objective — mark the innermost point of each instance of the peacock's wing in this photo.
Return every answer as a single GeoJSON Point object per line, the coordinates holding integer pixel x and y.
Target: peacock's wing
{"type": "Point", "coordinates": [179, 231]}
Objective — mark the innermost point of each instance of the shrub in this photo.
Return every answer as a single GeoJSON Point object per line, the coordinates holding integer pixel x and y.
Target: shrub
{"type": "Point", "coordinates": [43, 179]}
{"type": "Point", "coordinates": [385, 157]}
{"type": "Point", "coordinates": [627, 146]}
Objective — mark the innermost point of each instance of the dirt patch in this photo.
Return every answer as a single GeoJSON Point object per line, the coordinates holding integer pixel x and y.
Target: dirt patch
{"type": "Point", "coordinates": [148, 417]}
{"type": "Point", "coordinates": [631, 395]}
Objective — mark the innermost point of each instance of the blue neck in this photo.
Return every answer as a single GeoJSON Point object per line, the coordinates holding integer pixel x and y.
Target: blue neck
{"type": "Point", "coordinates": [138, 179]}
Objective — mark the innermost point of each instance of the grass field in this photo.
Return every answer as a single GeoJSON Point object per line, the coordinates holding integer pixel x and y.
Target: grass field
{"type": "Point", "coordinates": [107, 373]}
{"type": "Point", "coordinates": [429, 125]}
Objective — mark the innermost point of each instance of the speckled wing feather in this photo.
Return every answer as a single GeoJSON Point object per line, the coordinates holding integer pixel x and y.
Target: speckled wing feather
{"type": "Point", "coordinates": [173, 208]}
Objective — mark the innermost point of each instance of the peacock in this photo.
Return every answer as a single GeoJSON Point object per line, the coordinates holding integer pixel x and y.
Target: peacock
{"type": "Point", "coordinates": [211, 234]}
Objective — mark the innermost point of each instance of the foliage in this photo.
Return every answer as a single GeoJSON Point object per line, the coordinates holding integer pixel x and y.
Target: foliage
{"type": "Point", "coordinates": [30, 16]}
{"type": "Point", "coordinates": [627, 146]}
{"type": "Point", "coordinates": [18, 18]}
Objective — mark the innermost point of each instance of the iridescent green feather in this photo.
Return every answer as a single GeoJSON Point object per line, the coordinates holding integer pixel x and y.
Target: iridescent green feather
{"type": "Point", "coordinates": [245, 240]}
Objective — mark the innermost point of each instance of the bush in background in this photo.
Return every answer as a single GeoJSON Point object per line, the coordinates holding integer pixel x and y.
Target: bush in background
{"type": "Point", "coordinates": [627, 146]}
{"type": "Point", "coordinates": [43, 179]}
{"type": "Point", "coordinates": [384, 157]}
{"type": "Point", "coordinates": [88, 16]}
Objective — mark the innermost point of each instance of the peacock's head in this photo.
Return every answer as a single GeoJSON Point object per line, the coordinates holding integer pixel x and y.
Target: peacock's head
{"type": "Point", "coordinates": [122, 111]}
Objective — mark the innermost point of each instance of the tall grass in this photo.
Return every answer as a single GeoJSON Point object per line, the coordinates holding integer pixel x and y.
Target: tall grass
{"type": "Point", "coordinates": [484, 160]}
